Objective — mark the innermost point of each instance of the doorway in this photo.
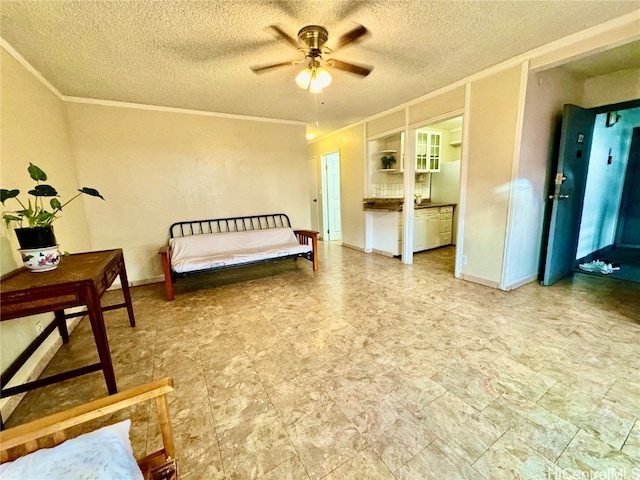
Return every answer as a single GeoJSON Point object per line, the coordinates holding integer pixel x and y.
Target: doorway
{"type": "Point", "coordinates": [313, 193]}
{"type": "Point", "coordinates": [331, 214]}
{"type": "Point", "coordinates": [437, 182]}
{"type": "Point", "coordinates": [588, 204]}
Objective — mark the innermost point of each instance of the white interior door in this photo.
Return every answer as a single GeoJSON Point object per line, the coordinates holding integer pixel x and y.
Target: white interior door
{"type": "Point", "coordinates": [331, 187]}
{"type": "Point", "coordinates": [313, 194]}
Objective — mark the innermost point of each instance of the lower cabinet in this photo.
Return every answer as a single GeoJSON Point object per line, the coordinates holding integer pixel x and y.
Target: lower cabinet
{"type": "Point", "coordinates": [433, 232]}
{"type": "Point", "coordinates": [419, 233]}
{"type": "Point", "coordinates": [432, 228]}
{"type": "Point", "coordinates": [387, 233]}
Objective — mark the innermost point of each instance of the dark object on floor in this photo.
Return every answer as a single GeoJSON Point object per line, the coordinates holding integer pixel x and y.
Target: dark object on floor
{"type": "Point", "coordinates": [627, 261]}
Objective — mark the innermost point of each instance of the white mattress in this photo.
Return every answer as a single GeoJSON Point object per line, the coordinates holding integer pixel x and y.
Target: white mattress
{"type": "Point", "coordinates": [202, 252]}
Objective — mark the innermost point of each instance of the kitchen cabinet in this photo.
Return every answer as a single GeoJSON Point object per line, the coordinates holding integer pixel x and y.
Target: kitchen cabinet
{"type": "Point", "coordinates": [446, 224]}
{"type": "Point", "coordinates": [433, 232]}
{"type": "Point", "coordinates": [387, 233]}
{"type": "Point", "coordinates": [419, 233]}
{"type": "Point", "coordinates": [428, 151]}
{"type": "Point", "coordinates": [426, 229]}
{"type": "Point", "coordinates": [432, 227]}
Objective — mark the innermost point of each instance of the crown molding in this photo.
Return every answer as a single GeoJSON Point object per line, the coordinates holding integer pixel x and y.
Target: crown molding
{"type": "Point", "coordinates": [187, 111]}
{"type": "Point", "coordinates": [23, 61]}
{"type": "Point", "coordinates": [610, 34]}
{"type": "Point", "coordinates": [137, 106]}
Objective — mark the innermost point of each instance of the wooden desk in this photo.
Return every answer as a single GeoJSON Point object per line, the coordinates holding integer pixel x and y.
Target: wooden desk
{"type": "Point", "coordinates": [80, 279]}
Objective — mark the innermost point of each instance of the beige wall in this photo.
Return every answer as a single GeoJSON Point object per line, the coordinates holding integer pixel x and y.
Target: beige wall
{"type": "Point", "coordinates": [492, 114]}
{"type": "Point", "coordinates": [546, 94]}
{"type": "Point", "coordinates": [386, 123]}
{"type": "Point", "coordinates": [33, 128]}
{"type": "Point", "coordinates": [153, 168]}
{"type": "Point", "coordinates": [157, 167]}
{"type": "Point", "coordinates": [350, 143]}
{"type": "Point", "coordinates": [616, 87]}
{"type": "Point", "coordinates": [436, 106]}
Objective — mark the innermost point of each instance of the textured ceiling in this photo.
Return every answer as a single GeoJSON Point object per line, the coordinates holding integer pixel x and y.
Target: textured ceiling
{"type": "Point", "coordinates": [196, 55]}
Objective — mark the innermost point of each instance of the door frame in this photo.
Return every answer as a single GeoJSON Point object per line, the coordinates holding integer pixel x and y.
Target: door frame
{"type": "Point", "coordinates": [312, 164]}
{"type": "Point", "coordinates": [553, 168]}
{"type": "Point", "coordinates": [327, 204]}
{"type": "Point", "coordinates": [565, 198]}
{"type": "Point", "coordinates": [409, 181]}
{"type": "Point", "coordinates": [633, 168]}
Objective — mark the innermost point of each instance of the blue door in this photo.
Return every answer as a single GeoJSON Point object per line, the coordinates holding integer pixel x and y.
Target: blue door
{"type": "Point", "coordinates": [567, 193]}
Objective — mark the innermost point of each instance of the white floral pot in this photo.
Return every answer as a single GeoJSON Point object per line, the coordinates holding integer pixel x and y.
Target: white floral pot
{"type": "Point", "coordinates": [41, 259]}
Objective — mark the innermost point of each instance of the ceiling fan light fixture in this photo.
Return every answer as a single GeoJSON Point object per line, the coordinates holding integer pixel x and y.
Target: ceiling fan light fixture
{"type": "Point", "coordinates": [303, 79]}
{"type": "Point", "coordinates": [314, 78]}
{"type": "Point", "coordinates": [322, 78]}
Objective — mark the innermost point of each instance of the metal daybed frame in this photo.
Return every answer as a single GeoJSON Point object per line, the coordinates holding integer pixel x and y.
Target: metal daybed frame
{"type": "Point", "coordinates": [233, 224]}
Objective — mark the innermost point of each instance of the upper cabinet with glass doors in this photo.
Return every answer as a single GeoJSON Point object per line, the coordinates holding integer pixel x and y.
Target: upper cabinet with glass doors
{"type": "Point", "coordinates": [428, 151]}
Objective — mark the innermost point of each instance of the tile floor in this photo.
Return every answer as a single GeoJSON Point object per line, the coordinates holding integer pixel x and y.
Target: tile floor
{"type": "Point", "coordinates": [369, 369]}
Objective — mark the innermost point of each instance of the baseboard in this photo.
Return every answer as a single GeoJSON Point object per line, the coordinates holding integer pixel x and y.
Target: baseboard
{"type": "Point", "coordinates": [353, 247]}
{"type": "Point", "coordinates": [34, 367]}
{"type": "Point", "coordinates": [382, 252]}
{"type": "Point", "coordinates": [520, 283]}
{"type": "Point", "coordinates": [481, 281]}
{"type": "Point", "coordinates": [147, 281]}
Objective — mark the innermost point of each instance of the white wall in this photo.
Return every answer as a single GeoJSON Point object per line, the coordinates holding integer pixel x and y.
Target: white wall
{"type": "Point", "coordinates": [605, 181]}
{"type": "Point", "coordinates": [157, 167]}
{"type": "Point", "coordinates": [547, 92]}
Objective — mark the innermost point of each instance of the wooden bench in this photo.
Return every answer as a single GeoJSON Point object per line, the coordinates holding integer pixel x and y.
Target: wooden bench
{"type": "Point", "coordinates": [201, 246]}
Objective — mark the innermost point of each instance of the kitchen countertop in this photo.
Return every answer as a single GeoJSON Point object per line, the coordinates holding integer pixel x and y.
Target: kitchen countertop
{"type": "Point", "coordinates": [395, 204]}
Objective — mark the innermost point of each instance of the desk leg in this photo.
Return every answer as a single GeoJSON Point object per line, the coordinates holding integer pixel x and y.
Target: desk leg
{"type": "Point", "coordinates": [61, 320]}
{"type": "Point", "coordinates": [96, 318]}
{"type": "Point", "coordinates": [127, 294]}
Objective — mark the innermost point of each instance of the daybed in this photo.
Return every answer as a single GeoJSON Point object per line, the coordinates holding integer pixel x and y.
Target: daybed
{"type": "Point", "coordinates": [105, 453]}
{"type": "Point", "coordinates": [200, 246]}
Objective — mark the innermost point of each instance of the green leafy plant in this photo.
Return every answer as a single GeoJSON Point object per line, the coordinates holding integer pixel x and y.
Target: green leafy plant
{"type": "Point", "coordinates": [34, 213]}
{"type": "Point", "coordinates": [388, 161]}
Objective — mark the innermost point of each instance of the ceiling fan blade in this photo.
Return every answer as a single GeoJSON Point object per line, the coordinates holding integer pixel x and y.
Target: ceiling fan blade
{"type": "Point", "coordinates": [264, 68]}
{"type": "Point", "coordinates": [350, 67]}
{"type": "Point", "coordinates": [350, 37]}
{"type": "Point", "coordinates": [284, 36]}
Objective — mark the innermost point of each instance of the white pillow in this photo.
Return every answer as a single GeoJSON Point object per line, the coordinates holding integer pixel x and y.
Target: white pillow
{"type": "Point", "coordinates": [103, 454]}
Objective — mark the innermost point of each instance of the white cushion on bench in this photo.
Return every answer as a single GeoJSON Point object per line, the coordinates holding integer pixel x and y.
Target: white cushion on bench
{"type": "Point", "coordinates": [202, 252]}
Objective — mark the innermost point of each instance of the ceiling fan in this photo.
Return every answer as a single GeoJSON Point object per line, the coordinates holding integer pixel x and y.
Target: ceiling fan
{"type": "Point", "coordinates": [311, 44]}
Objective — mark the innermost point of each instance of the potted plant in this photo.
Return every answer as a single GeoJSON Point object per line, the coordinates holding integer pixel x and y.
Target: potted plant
{"type": "Point", "coordinates": [388, 161]}
{"type": "Point", "coordinates": [37, 241]}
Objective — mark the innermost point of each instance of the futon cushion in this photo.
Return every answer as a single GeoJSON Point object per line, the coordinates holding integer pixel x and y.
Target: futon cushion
{"type": "Point", "coordinates": [103, 454]}
{"type": "Point", "coordinates": [203, 252]}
